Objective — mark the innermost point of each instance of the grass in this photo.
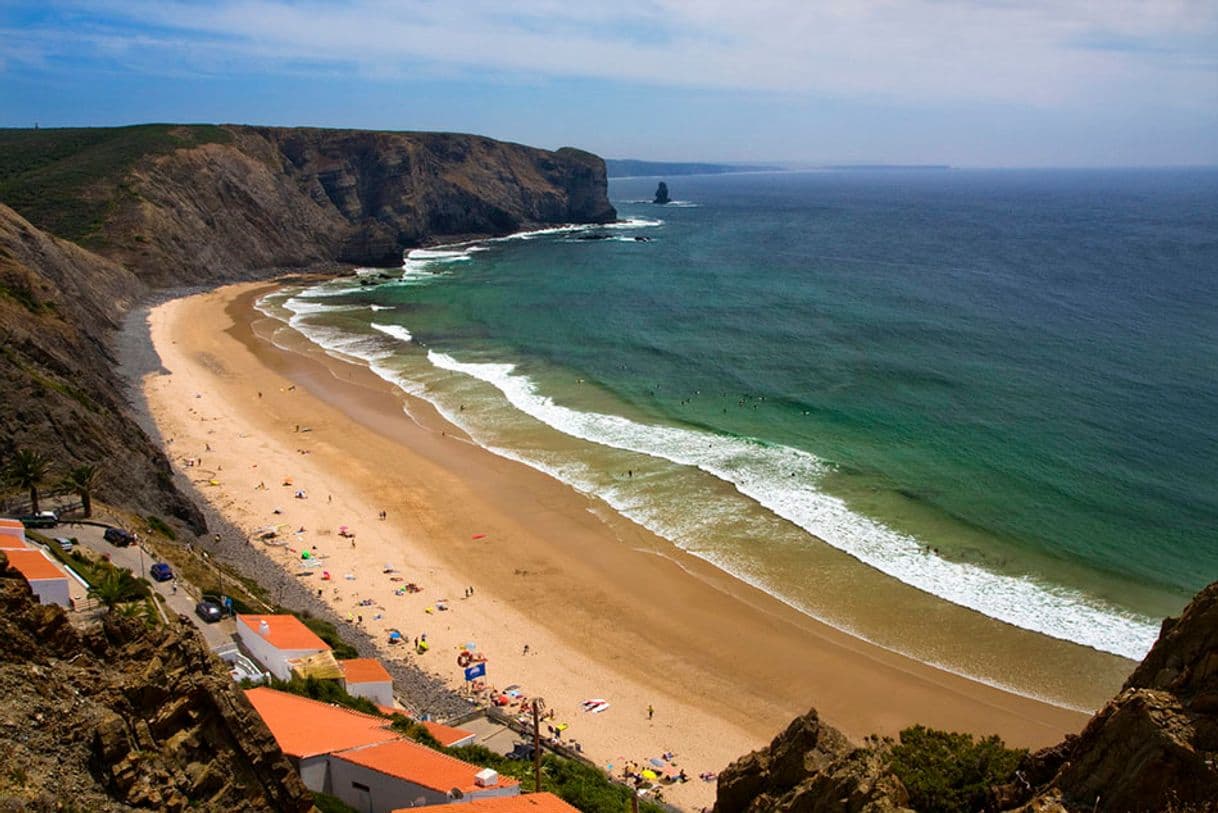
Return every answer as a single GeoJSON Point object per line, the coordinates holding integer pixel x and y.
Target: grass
{"type": "Point", "coordinates": [69, 180]}
{"type": "Point", "coordinates": [328, 633]}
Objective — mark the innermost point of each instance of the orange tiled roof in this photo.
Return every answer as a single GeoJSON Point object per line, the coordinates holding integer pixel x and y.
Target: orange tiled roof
{"type": "Point", "coordinates": [364, 670]}
{"type": "Point", "coordinates": [287, 631]}
{"type": "Point", "coordinates": [5, 522]}
{"type": "Point", "coordinates": [421, 765]}
{"type": "Point", "coordinates": [33, 564]}
{"type": "Point", "coordinates": [525, 803]}
{"type": "Point", "coordinates": [446, 735]}
{"type": "Point", "coordinates": [306, 728]}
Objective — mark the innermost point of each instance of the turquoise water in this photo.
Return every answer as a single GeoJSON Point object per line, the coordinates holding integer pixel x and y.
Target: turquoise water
{"type": "Point", "coordinates": [1000, 387]}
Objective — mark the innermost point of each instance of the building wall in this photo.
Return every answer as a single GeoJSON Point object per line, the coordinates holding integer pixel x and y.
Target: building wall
{"type": "Point", "coordinates": [379, 692]}
{"type": "Point", "coordinates": [315, 772]}
{"type": "Point", "coordinates": [52, 591]}
{"type": "Point", "coordinates": [386, 793]}
{"type": "Point", "coordinates": [273, 660]}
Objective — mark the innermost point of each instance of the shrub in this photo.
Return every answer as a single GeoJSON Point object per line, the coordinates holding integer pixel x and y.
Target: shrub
{"type": "Point", "coordinates": [157, 524]}
{"type": "Point", "coordinates": [327, 691]}
{"type": "Point", "coordinates": [948, 771]}
{"type": "Point", "coordinates": [329, 633]}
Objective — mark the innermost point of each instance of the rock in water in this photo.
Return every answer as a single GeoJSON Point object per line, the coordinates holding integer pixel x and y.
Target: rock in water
{"type": "Point", "coordinates": [662, 193]}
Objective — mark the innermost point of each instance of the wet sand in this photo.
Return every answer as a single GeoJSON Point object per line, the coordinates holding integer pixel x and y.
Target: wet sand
{"type": "Point", "coordinates": [607, 609]}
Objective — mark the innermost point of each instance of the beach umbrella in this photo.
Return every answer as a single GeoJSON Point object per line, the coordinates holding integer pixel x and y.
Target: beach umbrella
{"type": "Point", "coordinates": [650, 775]}
{"type": "Point", "coordinates": [304, 555]}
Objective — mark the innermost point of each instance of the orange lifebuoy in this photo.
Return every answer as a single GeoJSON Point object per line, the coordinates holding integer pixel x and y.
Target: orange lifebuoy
{"type": "Point", "coordinates": [464, 659]}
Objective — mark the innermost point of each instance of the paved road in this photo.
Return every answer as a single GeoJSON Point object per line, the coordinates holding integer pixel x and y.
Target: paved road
{"type": "Point", "coordinates": [181, 600]}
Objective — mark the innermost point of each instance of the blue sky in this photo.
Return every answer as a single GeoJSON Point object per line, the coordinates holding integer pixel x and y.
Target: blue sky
{"type": "Point", "coordinates": [986, 83]}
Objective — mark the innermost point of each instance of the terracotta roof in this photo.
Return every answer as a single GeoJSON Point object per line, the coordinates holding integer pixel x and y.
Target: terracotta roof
{"type": "Point", "coordinates": [525, 803]}
{"type": "Point", "coordinates": [364, 670]}
{"type": "Point", "coordinates": [446, 735]}
{"type": "Point", "coordinates": [286, 631]}
{"type": "Point", "coordinates": [5, 522]}
{"type": "Point", "coordinates": [421, 765]}
{"type": "Point", "coordinates": [33, 564]}
{"type": "Point", "coordinates": [306, 728]}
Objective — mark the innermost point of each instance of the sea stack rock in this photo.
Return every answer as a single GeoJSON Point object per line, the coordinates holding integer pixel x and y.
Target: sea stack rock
{"type": "Point", "coordinates": [661, 193]}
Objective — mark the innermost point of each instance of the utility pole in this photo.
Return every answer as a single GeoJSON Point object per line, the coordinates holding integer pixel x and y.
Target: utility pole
{"type": "Point", "coordinates": [536, 745]}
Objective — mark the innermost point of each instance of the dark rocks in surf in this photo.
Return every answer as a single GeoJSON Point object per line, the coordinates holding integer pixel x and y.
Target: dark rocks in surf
{"type": "Point", "coordinates": [662, 194]}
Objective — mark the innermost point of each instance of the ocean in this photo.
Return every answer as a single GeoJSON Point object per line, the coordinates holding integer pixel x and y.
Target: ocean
{"type": "Point", "coordinates": [997, 387]}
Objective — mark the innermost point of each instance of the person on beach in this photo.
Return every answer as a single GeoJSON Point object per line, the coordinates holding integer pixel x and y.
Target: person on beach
{"type": "Point", "coordinates": [651, 712]}
{"type": "Point", "coordinates": [526, 650]}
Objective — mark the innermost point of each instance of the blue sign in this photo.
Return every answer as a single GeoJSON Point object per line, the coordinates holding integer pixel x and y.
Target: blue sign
{"type": "Point", "coordinates": [476, 671]}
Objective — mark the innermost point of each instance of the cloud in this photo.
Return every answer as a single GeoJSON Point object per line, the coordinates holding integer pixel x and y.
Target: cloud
{"type": "Point", "coordinates": [1039, 53]}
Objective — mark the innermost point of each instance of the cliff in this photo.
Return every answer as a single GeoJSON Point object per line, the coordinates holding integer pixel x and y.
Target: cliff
{"type": "Point", "coordinates": [100, 218]}
{"type": "Point", "coordinates": [1152, 747]}
{"type": "Point", "coordinates": [119, 717]}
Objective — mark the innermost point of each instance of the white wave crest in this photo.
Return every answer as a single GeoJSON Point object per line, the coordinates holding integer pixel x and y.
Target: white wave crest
{"type": "Point", "coordinates": [780, 479]}
{"type": "Point", "coordinates": [396, 331]}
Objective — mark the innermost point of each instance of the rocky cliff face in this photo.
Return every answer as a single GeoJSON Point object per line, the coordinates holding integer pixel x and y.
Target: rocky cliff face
{"type": "Point", "coordinates": [58, 306]}
{"type": "Point", "coordinates": [812, 768]}
{"type": "Point", "coordinates": [161, 205]}
{"type": "Point", "coordinates": [119, 717]}
{"type": "Point", "coordinates": [1153, 747]}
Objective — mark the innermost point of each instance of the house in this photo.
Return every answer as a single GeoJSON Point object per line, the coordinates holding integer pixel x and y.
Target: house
{"type": "Point", "coordinates": [403, 774]}
{"type": "Point", "coordinates": [12, 533]}
{"type": "Point", "coordinates": [366, 677]}
{"type": "Point", "coordinates": [47, 579]}
{"type": "Point", "coordinates": [446, 735]}
{"type": "Point", "coordinates": [524, 803]}
{"type": "Point", "coordinates": [365, 763]}
{"type": "Point", "coordinates": [274, 640]}
{"type": "Point", "coordinates": [308, 731]}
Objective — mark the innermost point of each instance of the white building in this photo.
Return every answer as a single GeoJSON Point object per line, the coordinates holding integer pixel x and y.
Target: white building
{"type": "Point", "coordinates": [366, 677]}
{"type": "Point", "coordinates": [361, 760]}
{"type": "Point", "coordinates": [47, 579]}
{"type": "Point", "coordinates": [274, 640]}
{"type": "Point", "coordinates": [398, 774]}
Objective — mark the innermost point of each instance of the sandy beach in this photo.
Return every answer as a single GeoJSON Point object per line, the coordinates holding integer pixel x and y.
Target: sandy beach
{"type": "Point", "coordinates": [569, 600]}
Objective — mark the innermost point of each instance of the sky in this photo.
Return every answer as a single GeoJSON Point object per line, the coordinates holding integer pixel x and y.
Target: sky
{"type": "Point", "coordinates": [985, 83]}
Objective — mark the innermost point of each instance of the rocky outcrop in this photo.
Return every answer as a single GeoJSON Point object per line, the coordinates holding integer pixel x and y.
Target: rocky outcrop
{"type": "Point", "coordinates": [1153, 747]}
{"type": "Point", "coordinates": [171, 206]}
{"type": "Point", "coordinates": [58, 392]}
{"type": "Point", "coordinates": [120, 717]}
{"type": "Point", "coordinates": [1156, 742]}
{"type": "Point", "coordinates": [810, 767]}
{"type": "Point", "coordinates": [662, 194]}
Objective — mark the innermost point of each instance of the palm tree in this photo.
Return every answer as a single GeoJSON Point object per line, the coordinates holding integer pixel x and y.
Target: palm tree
{"type": "Point", "coordinates": [28, 469]}
{"type": "Point", "coordinates": [116, 587]}
{"type": "Point", "coordinates": [82, 480]}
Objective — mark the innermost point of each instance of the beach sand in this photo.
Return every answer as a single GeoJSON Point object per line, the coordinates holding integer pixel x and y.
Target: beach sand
{"type": "Point", "coordinates": [606, 609]}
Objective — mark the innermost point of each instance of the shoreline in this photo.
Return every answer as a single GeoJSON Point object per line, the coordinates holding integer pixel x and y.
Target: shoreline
{"type": "Point", "coordinates": [546, 546]}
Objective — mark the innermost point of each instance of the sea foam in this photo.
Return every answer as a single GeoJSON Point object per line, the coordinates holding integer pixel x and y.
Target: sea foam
{"type": "Point", "coordinates": [781, 479]}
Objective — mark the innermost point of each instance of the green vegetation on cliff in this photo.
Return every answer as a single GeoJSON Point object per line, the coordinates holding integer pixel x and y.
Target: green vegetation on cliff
{"type": "Point", "coordinates": [67, 180]}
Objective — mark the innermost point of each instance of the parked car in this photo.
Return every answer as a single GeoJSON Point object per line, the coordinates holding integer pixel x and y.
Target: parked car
{"type": "Point", "coordinates": [119, 537]}
{"type": "Point", "coordinates": [209, 611]}
{"type": "Point", "coordinates": [43, 519]}
{"type": "Point", "coordinates": [161, 572]}
{"type": "Point", "coordinates": [65, 545]}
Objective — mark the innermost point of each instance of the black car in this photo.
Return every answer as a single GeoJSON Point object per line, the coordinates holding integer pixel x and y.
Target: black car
{"type": "Point", "coordinates": [43, 519]}
{"type": "Point", "coordinates": [118, 537]}
{"type": "Point", "coordinates": [161, 572]}
{"type": "Point", "coordinates": [209, 611]}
